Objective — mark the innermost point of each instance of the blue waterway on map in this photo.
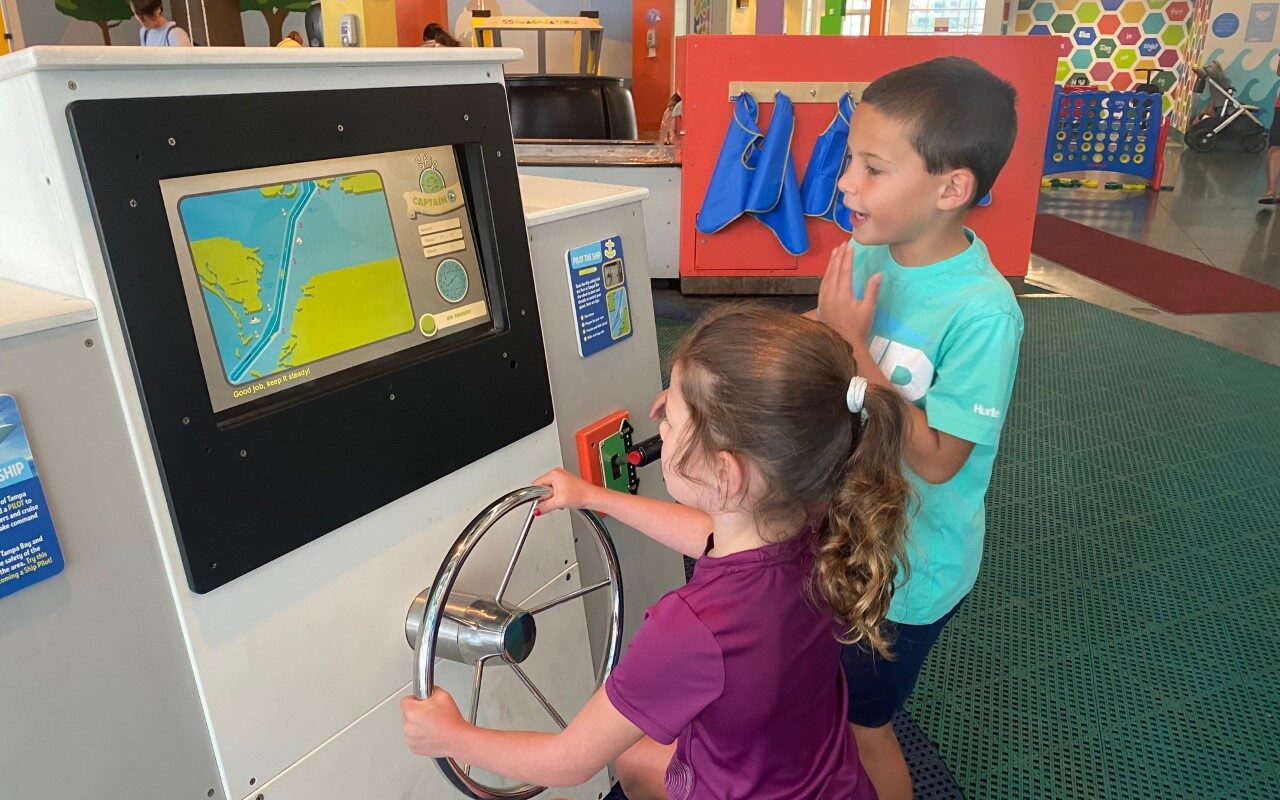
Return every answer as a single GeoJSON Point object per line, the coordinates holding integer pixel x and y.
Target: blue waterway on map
{"type": "Point", "coordinates": [337, 229]}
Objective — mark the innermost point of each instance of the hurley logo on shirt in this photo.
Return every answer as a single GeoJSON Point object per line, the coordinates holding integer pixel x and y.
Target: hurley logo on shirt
{"type": "Point", "coordinates": [986, 412]}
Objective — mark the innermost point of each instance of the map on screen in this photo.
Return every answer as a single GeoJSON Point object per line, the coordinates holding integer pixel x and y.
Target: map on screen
{"type": "Point", "coordinates": [294, 273]}
{"type": "Point", "coordinates": [297, 272]}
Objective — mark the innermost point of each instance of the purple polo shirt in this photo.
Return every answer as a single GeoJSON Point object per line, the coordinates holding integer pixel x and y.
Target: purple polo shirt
{"type": "Point", "coordinates": [743, 673]}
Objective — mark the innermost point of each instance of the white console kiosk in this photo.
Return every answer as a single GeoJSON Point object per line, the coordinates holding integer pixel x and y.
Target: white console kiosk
{"type": "Point", "coordinates": [251, 464]}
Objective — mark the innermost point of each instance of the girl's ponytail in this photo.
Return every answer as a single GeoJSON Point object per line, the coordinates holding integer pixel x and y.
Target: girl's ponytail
{"type": "Point", "coordinates": [862, 546]}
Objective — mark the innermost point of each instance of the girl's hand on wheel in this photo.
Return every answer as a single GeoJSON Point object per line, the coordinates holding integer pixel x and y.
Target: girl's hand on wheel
{"type": "Point", "coordinates": [429, 725]}
{"type": "Point", "coordinates": [567, 491]}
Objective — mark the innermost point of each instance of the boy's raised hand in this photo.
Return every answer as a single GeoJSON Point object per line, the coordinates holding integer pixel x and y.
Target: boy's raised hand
{"type": "Point", "coordinates": [567, 491]}
{"type": "Point", "coordinates": [430, 724]}
{"type": "Point", "coordinates": [837, 305]}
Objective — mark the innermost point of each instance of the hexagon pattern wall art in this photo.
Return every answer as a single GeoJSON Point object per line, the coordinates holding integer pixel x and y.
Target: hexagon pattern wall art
{"type": "Point", "coordinates": [1114, 41]}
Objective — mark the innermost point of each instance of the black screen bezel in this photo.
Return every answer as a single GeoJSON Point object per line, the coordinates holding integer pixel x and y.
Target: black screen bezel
{"type": "Point", "coordinates": [340, 447]}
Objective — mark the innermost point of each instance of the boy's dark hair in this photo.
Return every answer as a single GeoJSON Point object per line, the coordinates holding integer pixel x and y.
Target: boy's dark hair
{"type": "Point", "coordinates": [146, 8]}
{"type": "Point", "coordinates": [960, 116]}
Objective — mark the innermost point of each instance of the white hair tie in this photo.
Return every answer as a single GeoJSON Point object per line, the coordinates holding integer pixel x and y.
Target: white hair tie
{"type": "Point", "coordinates": [856, 394]}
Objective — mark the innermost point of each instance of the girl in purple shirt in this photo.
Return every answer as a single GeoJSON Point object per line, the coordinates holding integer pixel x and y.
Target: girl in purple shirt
{"type": "Point", "coordinates": [786, 471]}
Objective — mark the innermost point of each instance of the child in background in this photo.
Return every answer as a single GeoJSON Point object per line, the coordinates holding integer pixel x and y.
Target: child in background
{"type": "Point", "coordinates": [926, 312]}
{"type": "Point", "coordinates": [732, 687]}
{"type": "Point", "coordinates": [434, 35]}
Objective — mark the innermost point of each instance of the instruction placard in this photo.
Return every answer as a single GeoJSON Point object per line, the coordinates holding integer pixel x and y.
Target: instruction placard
{"type": "Point", "coordinates": [598, 283]}
{"type": "Point", "coordinates": [29, 551]}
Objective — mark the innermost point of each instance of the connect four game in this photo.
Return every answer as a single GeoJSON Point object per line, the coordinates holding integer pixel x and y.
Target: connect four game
{"type": "Point", "coordinates": [1094, 130]}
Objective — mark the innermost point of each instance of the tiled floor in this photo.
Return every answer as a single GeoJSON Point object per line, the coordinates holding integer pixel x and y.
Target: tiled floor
{"type": "Point", "coordinates": [1212, 215]}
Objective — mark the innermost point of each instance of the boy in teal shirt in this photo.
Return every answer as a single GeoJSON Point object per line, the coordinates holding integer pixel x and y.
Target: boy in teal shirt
{"type": "Point", "coordinates": [917, 296]}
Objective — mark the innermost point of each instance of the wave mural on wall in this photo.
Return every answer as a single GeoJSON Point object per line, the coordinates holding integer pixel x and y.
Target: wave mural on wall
{"type": "Point", "coordinates": [1253, 75]}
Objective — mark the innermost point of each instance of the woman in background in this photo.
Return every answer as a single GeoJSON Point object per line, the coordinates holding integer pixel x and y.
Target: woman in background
{"type": "Point", "coordinates": [156, 31]}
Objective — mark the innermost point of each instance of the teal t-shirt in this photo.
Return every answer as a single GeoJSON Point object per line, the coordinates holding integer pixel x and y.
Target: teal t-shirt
{"type": "Point", "coordinates": [947, 336]}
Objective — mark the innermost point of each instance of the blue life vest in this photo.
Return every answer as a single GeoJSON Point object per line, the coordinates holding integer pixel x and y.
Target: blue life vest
{"type": "Point", "coordinates": [726, 197]}
{"type": "Point", "coordinates": [775, 193]}
{"type": "Point", "coordinates": [830, 157]}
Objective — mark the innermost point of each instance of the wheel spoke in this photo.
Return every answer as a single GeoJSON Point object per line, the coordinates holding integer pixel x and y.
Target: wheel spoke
{"type": "Point", "coordinates": [571, 596]}
{"type": "Point", "coordinates": [475, 691]}
{"type": "Point", "coordinates": [515, 554]}
{"type": "Point", "coordinates": [546, 704]}
{"type": "Point", "coordinates": [540, 589]}
{"type": "Point", "coordinates": [475, 703]}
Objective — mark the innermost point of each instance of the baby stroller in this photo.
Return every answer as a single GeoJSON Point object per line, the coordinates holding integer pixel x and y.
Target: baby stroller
{"type": "Point", "coordinates": [1226, 118]}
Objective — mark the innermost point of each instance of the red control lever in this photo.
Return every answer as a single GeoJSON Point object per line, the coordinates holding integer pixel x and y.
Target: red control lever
{"type": "Point", "coordinates": [646, 452]}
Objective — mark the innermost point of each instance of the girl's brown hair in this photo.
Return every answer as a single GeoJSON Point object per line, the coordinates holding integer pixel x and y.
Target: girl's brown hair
{"type": "Point", "coordinates": [770, 386]}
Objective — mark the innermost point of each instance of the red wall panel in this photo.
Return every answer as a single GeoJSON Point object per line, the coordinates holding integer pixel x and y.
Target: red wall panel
{"type": "Point", "coordinates": [706, 64]}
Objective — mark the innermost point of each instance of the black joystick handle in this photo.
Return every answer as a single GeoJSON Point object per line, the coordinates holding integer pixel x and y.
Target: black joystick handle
{"type": "Point", "coordinates": [646, 452]}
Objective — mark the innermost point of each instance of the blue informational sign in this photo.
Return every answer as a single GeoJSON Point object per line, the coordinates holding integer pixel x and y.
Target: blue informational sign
{"type": "Point", "coordinates": [1226, 25]}
{"type": "Point", "coordinates": [29, 551]}
{"type": "Point", "coordinates": [598, 282]}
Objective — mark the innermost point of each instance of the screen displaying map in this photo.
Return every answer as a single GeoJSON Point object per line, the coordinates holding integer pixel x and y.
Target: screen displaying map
{"type": "Point", "coordinates": [283, 280]}
{"type": "Point", "coordinates": [300, 274]}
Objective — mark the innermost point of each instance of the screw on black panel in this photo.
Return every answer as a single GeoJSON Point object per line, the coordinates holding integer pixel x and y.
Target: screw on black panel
{"type": "Point", "coordinates": [213, 565]}
{"type": "Point", "coordinates": [244, 453]}
{"type": "Point", "coordinates": [466, 117]}
{"type": "Point", "coordinates": [341, 128]}
{"type": "Point", "coordinates": [499, 154]}
{"type": "Point", "coordinates": [88, 343]}
{"type": "Point", "coordinates": [391, 397]}
{"type": "Point", "coordinates": [133, 204]}
{"type": "Point", "coordinates": [172, 141]}
{"type": "Point", "coordinates": [522, 312]}
{"type": "Point", "coordinates": [186, 420]}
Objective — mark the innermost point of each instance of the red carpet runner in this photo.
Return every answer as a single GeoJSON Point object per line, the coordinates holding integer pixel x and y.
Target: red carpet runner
{"type": "Point", "coordinates": [1176, 284]}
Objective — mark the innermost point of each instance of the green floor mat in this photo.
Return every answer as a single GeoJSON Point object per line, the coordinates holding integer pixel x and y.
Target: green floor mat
{"type": "Point", "coordinates": [1122, 640]}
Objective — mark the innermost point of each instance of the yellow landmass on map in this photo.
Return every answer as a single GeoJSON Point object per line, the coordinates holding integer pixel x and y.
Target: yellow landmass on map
{"type": "Point", "coordinates": [229, 269]}
{"type": "Point", "coordinates": [324, 183]}
{"type": "Point", "coordinates": [348, 308]}
{"type": "Point", "coordinates": [272, 191]}
{"type": "Point", "coordinates": [361, 183]}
